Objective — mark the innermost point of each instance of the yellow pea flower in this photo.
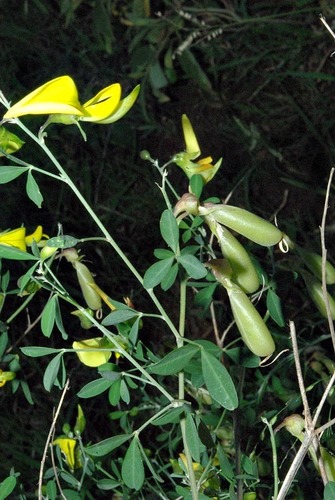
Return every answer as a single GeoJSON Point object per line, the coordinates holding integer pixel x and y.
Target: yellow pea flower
{"type": "Point", "coordinates": [58, 96]}
{"type": "Point", "coordinates": [17, 237]}
{"type": "Point", "coordinates": [88, 353]}
{"type": "Point", "coordinates": [6, 377]}
{"type": "Point", "coordinates": [184, 160]}
{"type": "Point", "coordinates": [67, 446]}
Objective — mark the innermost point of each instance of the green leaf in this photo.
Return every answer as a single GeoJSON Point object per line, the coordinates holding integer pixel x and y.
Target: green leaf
{"type": "Point", "coordinates": [157, 76]}
{"type": "Point", "coordinates": [119, 316]}
{"type": "Point", "coordinates": [70, 494]}
{"type": "Point", "coordinates": [172, 416]}
{"type": "Point", "coordinates": [175, 361]}
{"type": "Point", "coordinates": [196, 184]}
{"type": "Point", "coordinates": [51, 490]}
{"type": "Point", "coordinates": [204, 297]}
{"type": "Point", "coordinates": [218, 381]}
{"type": "Point", "coordinates": [48, 317]}
{"type": "Point", "coordinates": [124, 392]}
{"type": "Point", "coordinates": [26, 392]}
{"type": "Point", "coordinates": [194, 268]}
{"type": "Point", "coordinates": [94, 388]}
{"type": "Point", "coordinates": [157, 272]}
{"type": "Point", "coordinates": [107, 445]}
{"type": "Point", "coordinates": [7, 486]}
{"type": "Point", "coordinates": [3, 343]}
{"type": "Point", "coordinates": [63, 241]}
{"type": "Point", "coordinates": [192, 437]}
{"type": "Point", "coordinates": [225, 465]}
{"type": "Point", "coordinates": [51, 372]}
{"type": "Point", "coordinates": [329, 491]}
{"type": "Point", "coordinates": [163, 253]}
{"type": "Point", "coordinates": [33, 191]}
{"type": "Point", "coordinates": [132, 470]}
{"type": "Point", "coordinates": [59, 320]}
{"type": "Point", "coordinates": [12, 253]}
{"type": "Point", "coordinates": [108, 484]}
{"type": "Point", "coordinates": [37, 352]}
{"type": "Point", "coordinates": [273, 303]}
{"type": "Point", "coordinates": [7, 174]}
{"type": "Point", "coordinates": [193, 69]}
{"type": "Point", "coordinates": [114, 393]}
{"type": "Point", "coordinates": [170, 278]}
{"type": "Point", "coordinates": [169, 229]}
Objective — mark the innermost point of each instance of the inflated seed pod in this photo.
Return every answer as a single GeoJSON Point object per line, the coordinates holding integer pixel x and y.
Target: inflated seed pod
{"type": "Point", "coordinates": [249, 322]}
{"type": "Point", "coordinates": [245, 223]}
{"type": "Point", "coordinates": [244, 272]}
{"type": "Point", "coordinates": [314, 263]}
{"type": "Point", "coordinates": [85, 279]}
{"type": "Point", "coordinates": [314, 288]}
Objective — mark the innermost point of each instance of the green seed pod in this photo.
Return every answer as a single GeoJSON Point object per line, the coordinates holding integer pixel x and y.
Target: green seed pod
{"type": "Point", "coordinates": [251, 325]}
{"type": "Point", "coordinates": [244, 272]}
{"type": "Point", "coordinates": [314, 263]}
{"type": "Point", "coordinates": [85, 278]}
{"type": "Point", "coordinates": [245, 223]}
{"type": "Point", "coordinates": [314, 288]}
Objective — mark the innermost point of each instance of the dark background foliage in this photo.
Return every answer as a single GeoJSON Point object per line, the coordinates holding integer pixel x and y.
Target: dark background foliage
{"type": "Point", "coordinates": [256, 79]}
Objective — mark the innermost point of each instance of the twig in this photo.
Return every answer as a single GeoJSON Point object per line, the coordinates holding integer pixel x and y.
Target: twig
{"type": "Point", "coordinates": [52, 428]}
{"type": "Point", "coordinates": [52, 456]}
{"type": "Point", "coordinates": [324, 258]}
{"type": "Point", "coordinates": [307, 412]}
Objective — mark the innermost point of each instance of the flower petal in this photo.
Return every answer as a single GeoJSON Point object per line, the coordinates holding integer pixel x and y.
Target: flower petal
{"type": "Point", "coordinates": [35, 236]}
{"type": "Point", "coordinates": [67, 446]}
{"type": "Point", "coordinates": [102, 105]}
{"type": "Point", "coordinates": [90, 356]}
{"type": "Point", "coordinates": [14, 238]}
{"type": "Point", "coordinates": [191, 142]}
{"type": "Point", "coordinates": [56, 96]}
{"type": "Point", "coordinates": [123, 107]}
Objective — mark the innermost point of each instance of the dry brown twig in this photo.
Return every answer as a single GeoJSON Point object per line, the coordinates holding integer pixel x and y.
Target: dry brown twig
{"type": "Point", "coordinates": [312, 434]}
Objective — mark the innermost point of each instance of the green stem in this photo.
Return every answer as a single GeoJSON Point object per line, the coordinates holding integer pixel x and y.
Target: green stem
{"type": "Point", "coordinates": [274, 458]}
{"type": "Point", "coordinates": [181, 390]}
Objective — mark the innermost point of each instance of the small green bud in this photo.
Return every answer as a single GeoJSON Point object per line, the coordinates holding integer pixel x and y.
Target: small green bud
{"type": "Point", "coordinates": [145, 155]}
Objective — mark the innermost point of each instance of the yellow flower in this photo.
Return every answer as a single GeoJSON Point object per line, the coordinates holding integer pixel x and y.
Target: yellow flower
{"type": "Point", "coordinates": [17, 237]}
{"type": "Point", "coordinates": [59, 98]}
{"type": "Point", "coordinates": [6, 377]}
{"type": "Point", "coordinates": [88, 353]}
{"type": "Point", "coordinates": [67, 446]}
{"type": "Point", "coordinates": [185, 159]}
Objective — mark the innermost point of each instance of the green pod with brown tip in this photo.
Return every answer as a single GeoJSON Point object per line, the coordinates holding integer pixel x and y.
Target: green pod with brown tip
{"type": "Point", "coordinates": [249, 322]}
{"type": "Point", "coordinates": [314, 288]}
{"type": "Point", "coordinates": [244, 272]}
{"type": "Point", "coordinates": [85, 279]}
{"type": "Point", "coordinates": [247, 224]}
{"type": "Point", "coordinates": [314, 263]}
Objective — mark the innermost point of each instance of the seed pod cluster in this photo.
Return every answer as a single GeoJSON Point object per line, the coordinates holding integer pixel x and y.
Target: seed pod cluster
{"type": "Point", "coordinates": [236, 271]}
